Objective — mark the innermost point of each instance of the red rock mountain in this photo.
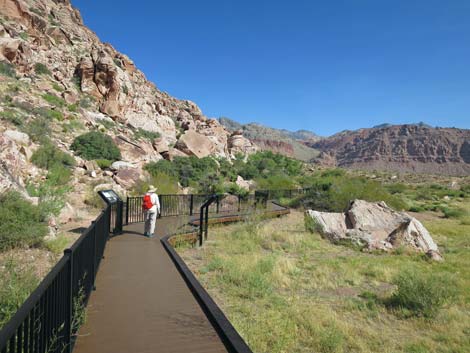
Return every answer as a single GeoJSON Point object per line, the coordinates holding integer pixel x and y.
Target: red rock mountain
{"type": "Point", "coordinates": [411, 148]}
{"type": "Point", "coordinates": [54, 67]}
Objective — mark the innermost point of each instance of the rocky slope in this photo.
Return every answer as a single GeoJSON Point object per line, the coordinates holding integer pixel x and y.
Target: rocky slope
{"type": "Point", "coordinates": [288, 143]}
{"type": "Point", "coordinates": [51, 64]}
{"type": "Point", "coordinates": [411, 148]}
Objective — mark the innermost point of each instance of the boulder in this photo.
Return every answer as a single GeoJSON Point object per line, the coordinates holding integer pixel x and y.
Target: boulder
{"type": "Point", "coordinates": [127, 178]}
{"type": "Point", "coordinates": [19, 137]}
{"type": "Point", "coordinates": [91, 166]}
{"type": "Point", "coordinates": [160, 145]}
{"type": "Point", "coordinates": [195, 144]}
{"type": "Point", "coordinates": [172, 153]}
{"type": "Point", "coordinates": [375, 226]}
{"type": "Point", "coordinates": [121, 165]}
{"type": "Point", "coordinates": [332, 225]}
{"type": "Point", "coordinates": [244, 184]}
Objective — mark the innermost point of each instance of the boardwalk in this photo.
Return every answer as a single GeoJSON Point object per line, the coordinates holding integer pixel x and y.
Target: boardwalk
{"type": "Point", "coordinates": [142, 304]}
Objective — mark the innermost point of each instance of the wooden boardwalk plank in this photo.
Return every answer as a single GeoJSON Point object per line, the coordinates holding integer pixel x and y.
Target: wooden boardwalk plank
{"type": "Point", "coordinates": [142, 304]}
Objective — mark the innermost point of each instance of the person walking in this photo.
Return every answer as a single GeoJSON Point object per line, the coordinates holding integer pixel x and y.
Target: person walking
{"type": "Point", "coordinates": [151, 207]}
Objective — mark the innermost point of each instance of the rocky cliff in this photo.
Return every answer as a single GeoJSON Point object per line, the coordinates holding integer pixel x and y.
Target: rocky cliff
{"type": "Point", "coordinates": [411, 148]}
{"type": "Point", "coordinates": [289, 143]}
{"type": "Point", "coordinates": [53, 65]}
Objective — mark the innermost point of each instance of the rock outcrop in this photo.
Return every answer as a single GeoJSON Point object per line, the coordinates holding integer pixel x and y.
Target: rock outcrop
{"type": "Point", "coordinates": [287, 143]}
{"type": "Point", "coordinates": [403, 148]}
{"type": "Point", "coordinates": [375, 226]}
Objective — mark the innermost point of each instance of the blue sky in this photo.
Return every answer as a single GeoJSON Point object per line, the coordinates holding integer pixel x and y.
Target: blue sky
{"type": "Point", "coordinates": [323, 65]}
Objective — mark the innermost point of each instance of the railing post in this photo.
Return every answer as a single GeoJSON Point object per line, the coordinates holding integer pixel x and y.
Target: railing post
{"type": "Point", "coordinates": [191, 205]}
{"type": "Point", "coordinates": [127, 211]}
{"type": "Point", "coordinates": [218, 204]}
{"type": "Point", "coordinates": [69, 301]}
{"type": "Point", "coordinates": [239, 203]}
{"type": "Point", "coordinates": [119, 215]}
{"type": "Point", "coordinates": [201, 221]}
{"type": "Point", "coordinates": [94, 256]}
{"type": "Point", "coordinates": [207, 222]}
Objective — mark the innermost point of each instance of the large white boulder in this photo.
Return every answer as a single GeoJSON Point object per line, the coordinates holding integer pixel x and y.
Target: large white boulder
{"type": "Point", "coordinates": [375, 226]}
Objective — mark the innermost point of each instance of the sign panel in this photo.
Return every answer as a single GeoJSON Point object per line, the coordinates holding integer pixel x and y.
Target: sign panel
{"type": "Point", "coordinates": [109, 196]}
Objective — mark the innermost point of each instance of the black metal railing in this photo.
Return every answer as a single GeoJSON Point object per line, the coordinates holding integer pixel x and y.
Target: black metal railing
{"type": "Point", "coordinates": [189, 205]}
{"type": "Point", "coordinates": [204, 217]}
{"type": "Point", "coordinates": [48, 320]}
{"type": "Point", "coordinates": [283, 193]}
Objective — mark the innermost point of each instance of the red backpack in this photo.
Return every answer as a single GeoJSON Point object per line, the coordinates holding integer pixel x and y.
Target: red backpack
{"type": "Point", "coordinates": [147, 203]}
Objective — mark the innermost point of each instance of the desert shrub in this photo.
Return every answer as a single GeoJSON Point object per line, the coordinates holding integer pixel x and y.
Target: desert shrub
{"type": "Point", "coordinates": [415, 208]}
{"type": "Point", "coordinates": [311, 224]}
{"type": "Point", "coordinates": [49, 114]}
{"type": "Point", "coordinates": [165, 183]}
{"type": "Point", "coordinates": [264, 164]}
{"type": "Point", "coordinates": [334, 194]}
{"type": "Point", "coordinates": [57, 87]}
{"type": "Point", "coordinates": [73, 108]}
{"type": "Point", "coordinates": [38, 129]}
{"type": "Point", "coordinates": [16, 284]}
{"type": "Point", "coordinates": [201, 173]}
{"type": "Point", "coordinates": [86, 102]}
{"type": "Point", "coordinates": [145, 134]}
{"type": "Point", "coordinates": [397, 188]}
{"type": "Point", "coordinates": [421, 294]}
{"type": "Point", "coordinates": [54, 100]}
{"type": "Point", "coordinates": [22, 223]}
{"type": "Point", "coordinates": [52, 190]}
{"type": "Point", "coordinates": [276, 182]}
{"type": "Point", "coordinates": [450, 212]}
{"type": "Point", "coordinates": [104, 163]}
{"type": "Point", "coordinates": [95, 145]}
{"type": "Point", "coordinates": [7, 69]}
{"type": "Point", "coordinates": [234, 189]}
{"type": "Point", "coordinates": [48, 156]}
{"type": "Point", "coordinates": [41, 69]}
{"type": "Point", "coordinates": [11, 116]}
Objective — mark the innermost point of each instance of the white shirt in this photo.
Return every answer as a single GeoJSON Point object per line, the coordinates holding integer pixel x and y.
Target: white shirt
{"type": "Point", "coordinates": [155, 202]}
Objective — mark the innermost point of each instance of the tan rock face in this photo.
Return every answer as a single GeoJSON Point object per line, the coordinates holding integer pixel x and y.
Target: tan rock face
{"type": "Point", "coordinates": [375, 226]}
{"type": "Point", "coordinates": [195, 144]}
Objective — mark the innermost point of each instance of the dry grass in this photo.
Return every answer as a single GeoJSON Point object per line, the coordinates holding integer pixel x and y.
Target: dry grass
{"type": "Point", "coordinates": [286, 290]}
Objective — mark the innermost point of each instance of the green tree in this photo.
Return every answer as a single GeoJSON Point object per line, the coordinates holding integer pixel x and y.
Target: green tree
{"type": "Point", "coordinates": [96, 145]}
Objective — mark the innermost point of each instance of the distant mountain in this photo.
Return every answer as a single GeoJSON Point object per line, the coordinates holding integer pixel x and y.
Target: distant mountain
{"type": "Point", "coordinates": [289, 143]}
{"type": "Point", "coordinates": [412, 148]}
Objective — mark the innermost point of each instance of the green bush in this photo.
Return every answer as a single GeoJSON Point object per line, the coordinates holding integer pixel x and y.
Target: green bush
{"type": "Point", "coordinates": [311, 225]}
{"type": "Point", "coordinates": [16, 284]}
{"type": "Point", "coordinates": [52, 191]}
{"type": "Point", "coordinates": [453, 212]}
{"type": "Point", "coordinates": [165, 183]}
{"type": "Point", "coordinates": [57, 87]}
{"type": "Point", "coordinates": [11, 116]}
{"type": "Point", "coordinates": [7, 69]}
{"type": "Point", "coordinates": [22, 223]}
{"type": "Point", "coordinates": [334, 193]}
{"type": "Point", "coordinates": [49, 114]}
{"type": "Point", "coordinates": [95, 145]}
{"type": "Point", "coordinates": [54, 100]}
{"type": "Point", "coordinates": [41, 69]}
{"type": "Point", "coordinates": [104, 163]}
{"type": "Point", "coordinates": [48, 156]}
{"type": "Point", "coordinates": [38, 129]}
{"type": "Point", "coordinates": [73, 108]}
{"type": "Point", "coordinates": [145, 134]}
{"type": "Point", "coordinates": [421, 294]}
